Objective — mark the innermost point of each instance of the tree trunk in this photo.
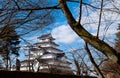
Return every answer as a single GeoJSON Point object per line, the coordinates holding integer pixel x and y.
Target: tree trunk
{"type": "Point", "coordinates": [89, 38]}
{"type": "Point", "coordinates": [77, 67]}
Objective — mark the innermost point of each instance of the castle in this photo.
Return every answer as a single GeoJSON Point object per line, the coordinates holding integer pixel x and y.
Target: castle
{"type": "Point", "coordinates": [44, 56]}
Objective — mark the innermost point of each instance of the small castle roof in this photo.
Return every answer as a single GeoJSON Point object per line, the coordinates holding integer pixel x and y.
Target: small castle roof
{"type": "Point", "coordinates": [44, 36]}
{"type": "Point", "coordinates": [46, 43]}
{"type": "Point", "coordinates": [25, 61]}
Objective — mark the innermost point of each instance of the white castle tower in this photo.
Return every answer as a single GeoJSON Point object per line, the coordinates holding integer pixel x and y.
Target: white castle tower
{"type": "Point", "coordinates": [45, 57]}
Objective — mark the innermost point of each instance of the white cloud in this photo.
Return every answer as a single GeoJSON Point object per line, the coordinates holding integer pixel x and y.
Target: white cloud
{"type": "Point", "coordinates": [64, 34]}
{"type": "Point", "coordinates": [109, 21]}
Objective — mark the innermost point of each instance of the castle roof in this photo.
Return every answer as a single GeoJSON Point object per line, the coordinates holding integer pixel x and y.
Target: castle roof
{"type": "Point", "coordinates": [46, 43]}
{"type": "Point", "coordinates": [35, 49]}
{"type": "Point", "coordinates": [25, 61]}
{"type": "Point", "coordinates": [44, 36]}
{"type": "Point", "coordinates": [44, 48]}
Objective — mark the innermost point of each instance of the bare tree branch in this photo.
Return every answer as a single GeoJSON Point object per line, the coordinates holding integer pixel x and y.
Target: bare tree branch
{"type": "Point", "coordinates": [93, 62]}
{"type": "Point", "coordinates": [89, 38]}
{"type": "Point", "coordinates": [100, 16]}
{"type": "Point", "coordinates": [80, 14]}
{"type": "Point", "coordinates": [28, 9]}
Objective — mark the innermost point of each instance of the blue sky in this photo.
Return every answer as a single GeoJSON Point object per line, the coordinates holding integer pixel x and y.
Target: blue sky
{"type": "Point", "coordinates": [66, 37]}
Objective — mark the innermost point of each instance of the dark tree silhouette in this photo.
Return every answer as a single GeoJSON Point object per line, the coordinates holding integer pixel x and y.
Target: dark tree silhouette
{"type": "Point", "coordinates": [10, 42]}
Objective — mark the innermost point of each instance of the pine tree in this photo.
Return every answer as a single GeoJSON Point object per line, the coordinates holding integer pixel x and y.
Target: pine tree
{"type": "Point", "coordinates": [9, 43]}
